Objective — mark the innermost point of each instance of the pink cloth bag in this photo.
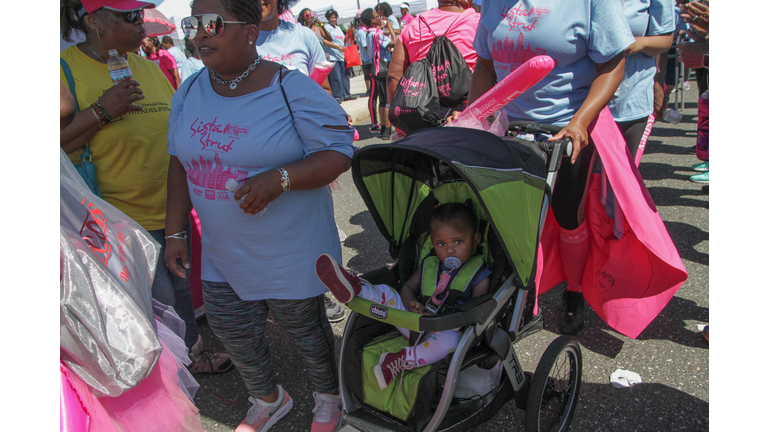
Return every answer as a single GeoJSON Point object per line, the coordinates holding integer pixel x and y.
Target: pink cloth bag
{"type": "Point", "coordinates": [627, 280]}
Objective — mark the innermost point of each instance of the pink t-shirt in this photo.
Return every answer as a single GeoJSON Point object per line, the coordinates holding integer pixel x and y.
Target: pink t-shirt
{"type": "Point", "coordinates": [167, 63]}
{"type": "Point", "coordinates": [405, 20]}
{"type": "Point", "coordinates": [462, 33]}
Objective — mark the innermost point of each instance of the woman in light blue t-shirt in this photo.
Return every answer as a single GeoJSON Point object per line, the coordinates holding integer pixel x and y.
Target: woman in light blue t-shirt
{"type": "Point", "coordinates": [652, 23]}
{"type": "Point", "coordinates": [289, 44]}
{"type": "Point", "coordinates": [254, 147]}
{"type": "Point", "coordinates": [587, 40]}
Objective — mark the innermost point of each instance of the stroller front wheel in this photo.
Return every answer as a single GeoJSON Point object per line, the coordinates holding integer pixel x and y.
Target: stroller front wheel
{"type": "Point", "coordinates": [555, 387]}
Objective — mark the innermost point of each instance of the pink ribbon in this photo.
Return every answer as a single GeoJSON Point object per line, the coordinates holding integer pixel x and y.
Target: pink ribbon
{"type": "Point", "coordinates": [442, 284]}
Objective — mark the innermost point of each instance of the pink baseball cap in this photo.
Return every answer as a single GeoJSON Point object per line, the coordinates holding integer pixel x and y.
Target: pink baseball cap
{"type": "Point", "coordinates": [359, 12]}
{"type": "Point", "coordinates": [116, 5]}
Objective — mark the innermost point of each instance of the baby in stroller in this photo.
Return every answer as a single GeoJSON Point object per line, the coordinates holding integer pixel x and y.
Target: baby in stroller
{"type": "Point", "coordinates": [452, 268]}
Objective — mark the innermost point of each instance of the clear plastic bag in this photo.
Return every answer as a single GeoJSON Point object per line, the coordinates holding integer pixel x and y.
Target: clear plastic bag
{"type": "Point", "coordinates": [496, 124]}
{"type": "Point", "coordinates": [107, 267]}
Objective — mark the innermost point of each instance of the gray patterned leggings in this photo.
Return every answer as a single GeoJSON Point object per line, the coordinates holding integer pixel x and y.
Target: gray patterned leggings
{"type": "Point", "coordinates": [240, 325]}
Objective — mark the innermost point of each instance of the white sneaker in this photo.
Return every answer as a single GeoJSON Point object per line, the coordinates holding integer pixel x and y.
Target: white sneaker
{"type": "Point", "coordinates": [328, 416]}
{"type": "Point", "coordinates": [262, 416]}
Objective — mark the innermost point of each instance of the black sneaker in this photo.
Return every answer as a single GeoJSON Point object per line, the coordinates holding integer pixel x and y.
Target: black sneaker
{"type": "Point", "coordinates": [573, 313]}
{"type": "Point", "coordinates": [375, 127]}
{"type": "Point", "coordinates": [691, 150]}
{"type": "Point", "coordinates": [333, 310]}
{"type": "Point", "coordinates": [386, 133]}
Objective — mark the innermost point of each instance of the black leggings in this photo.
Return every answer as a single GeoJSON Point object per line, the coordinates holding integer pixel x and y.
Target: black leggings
{"type": "Point", "coordinates": [633, 132]}
{"type": "Point", "coordinates": [571, 187]}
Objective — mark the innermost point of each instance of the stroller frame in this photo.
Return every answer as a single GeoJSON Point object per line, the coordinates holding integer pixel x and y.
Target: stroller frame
{"type": "Point", "coordinates": [481, 325]}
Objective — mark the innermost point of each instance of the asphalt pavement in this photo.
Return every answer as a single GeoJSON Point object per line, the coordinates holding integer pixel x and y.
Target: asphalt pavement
{"type": "Point", "coordinates": [670, 355]}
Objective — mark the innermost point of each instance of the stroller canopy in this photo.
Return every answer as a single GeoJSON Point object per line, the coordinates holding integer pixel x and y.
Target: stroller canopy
{"type": "Point", "coordinates": [507, 177]}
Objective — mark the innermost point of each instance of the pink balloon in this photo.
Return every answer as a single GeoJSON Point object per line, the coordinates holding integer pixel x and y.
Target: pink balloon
{"type": "Point", "coordinates": [517, 82]}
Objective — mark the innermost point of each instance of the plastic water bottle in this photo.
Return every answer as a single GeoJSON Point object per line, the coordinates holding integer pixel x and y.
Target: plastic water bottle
{"type": "Point", "coordinates": [119, 69]}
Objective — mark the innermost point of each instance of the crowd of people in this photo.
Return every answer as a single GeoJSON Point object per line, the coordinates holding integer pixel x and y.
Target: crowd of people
{"type": "Point", "coordinates": [239, 107]}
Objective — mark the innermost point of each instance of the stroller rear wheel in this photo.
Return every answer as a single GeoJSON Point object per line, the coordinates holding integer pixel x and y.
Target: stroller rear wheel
{"type": "Point", "coordinates": [555, 387]}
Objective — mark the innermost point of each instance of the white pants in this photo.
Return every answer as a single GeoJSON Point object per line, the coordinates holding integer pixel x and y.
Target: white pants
{"type": "Point", "coordinates": [436, 346]}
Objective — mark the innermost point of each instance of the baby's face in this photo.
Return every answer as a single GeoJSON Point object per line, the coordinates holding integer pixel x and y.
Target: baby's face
{"type": "Point", "coordinates": [450, 240]}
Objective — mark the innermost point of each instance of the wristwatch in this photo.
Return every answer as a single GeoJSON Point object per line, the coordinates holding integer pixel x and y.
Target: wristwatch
{"type": "Point", "coordinates": [285, 181]}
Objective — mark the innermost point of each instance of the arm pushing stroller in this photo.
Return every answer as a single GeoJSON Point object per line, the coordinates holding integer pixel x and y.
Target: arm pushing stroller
{"type": "Point", "coordinates": [510, 181]}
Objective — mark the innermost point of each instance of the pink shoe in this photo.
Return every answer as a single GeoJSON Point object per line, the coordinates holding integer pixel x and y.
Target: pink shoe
{"type": "Point", "coordinates": [343, 285]}
{"type": "Point", "coordinates": [391, 365]}
{"type": "Point", "coordinates": [262, 416]}
{"type": "Point", "coordinates": [328, 416]}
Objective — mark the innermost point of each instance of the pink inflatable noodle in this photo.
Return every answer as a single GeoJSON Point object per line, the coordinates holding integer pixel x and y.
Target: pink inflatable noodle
{"type": "Point", "coordinates": [320, 71]}
{"type": "Point", "coordinates": [515, 84]}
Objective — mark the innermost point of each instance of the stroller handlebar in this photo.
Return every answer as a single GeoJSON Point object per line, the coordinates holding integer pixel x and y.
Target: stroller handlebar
{"type": "Point", "coordinates": [564, 147]}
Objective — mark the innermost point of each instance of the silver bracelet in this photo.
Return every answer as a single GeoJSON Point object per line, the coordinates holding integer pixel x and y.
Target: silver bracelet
{"type": "Point", "coordinates": [285, 181]}
{"type": "Point", "coordinates": [182, 235]}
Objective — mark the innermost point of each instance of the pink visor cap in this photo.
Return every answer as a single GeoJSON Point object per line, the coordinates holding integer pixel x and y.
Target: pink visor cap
{"type": "Point", "coordinates": [359, 12]}
{"type": "Point", "coordinates": [116, 5]}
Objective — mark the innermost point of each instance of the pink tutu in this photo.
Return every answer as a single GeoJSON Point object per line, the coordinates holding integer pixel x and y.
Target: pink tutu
{"type": "Point", "coordinates": [156, 404]}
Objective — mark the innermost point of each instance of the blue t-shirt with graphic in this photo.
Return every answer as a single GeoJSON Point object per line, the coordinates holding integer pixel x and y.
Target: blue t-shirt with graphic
{"type": "Point", "coordinates": [577, 35]}
{"type": "Point", "coordinates": [338, 38]}
{"type": "Point", "coordinates": [291, 45]}
{"type": "Point", "coordinates": [634, 97]}
{"type": "Point", "coordinates": [219, 138]}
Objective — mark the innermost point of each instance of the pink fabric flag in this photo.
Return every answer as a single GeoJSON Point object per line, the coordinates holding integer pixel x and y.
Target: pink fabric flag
{"type": "Point", "coordinates": [627, 280]}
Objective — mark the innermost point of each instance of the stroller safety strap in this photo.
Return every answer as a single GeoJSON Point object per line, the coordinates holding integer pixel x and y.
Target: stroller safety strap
{"type": "Point", "coordinates": [459, 282]}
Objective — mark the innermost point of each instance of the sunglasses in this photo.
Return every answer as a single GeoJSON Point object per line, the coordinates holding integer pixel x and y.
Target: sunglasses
{"type": "Point", "coordinates": [132, 16]}
{"type": "Point", "coordinates": [212, 23]}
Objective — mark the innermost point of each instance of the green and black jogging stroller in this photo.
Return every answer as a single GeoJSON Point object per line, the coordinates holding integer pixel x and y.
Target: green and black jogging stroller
{"type": "Point", "coordinates": [509, 181]}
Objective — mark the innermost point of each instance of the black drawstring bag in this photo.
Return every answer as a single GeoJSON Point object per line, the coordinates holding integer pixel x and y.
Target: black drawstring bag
{"type": "Point", "coordinates": [452, 74]}
{"type": "Point", "coordinates": [441, 79]}
{"type": "Point", "coordinates": [415, 104]}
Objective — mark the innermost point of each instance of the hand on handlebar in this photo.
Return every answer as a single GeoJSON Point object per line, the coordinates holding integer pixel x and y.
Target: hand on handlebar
{"type": "Point", "coordinates": [577, 132]}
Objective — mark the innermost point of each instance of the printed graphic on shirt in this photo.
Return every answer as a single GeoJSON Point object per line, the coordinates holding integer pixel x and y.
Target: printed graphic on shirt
{"type": "Point", "coordinates": [523, 21]}
{"type": "Point", "coordinates": [210, 178]}
{"type": "Point", "coordinates": [283, 59]}
{"type": "Point", "coordinates": [215, 137]}
{"type": "Point", "coordinates": [151, 107]}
